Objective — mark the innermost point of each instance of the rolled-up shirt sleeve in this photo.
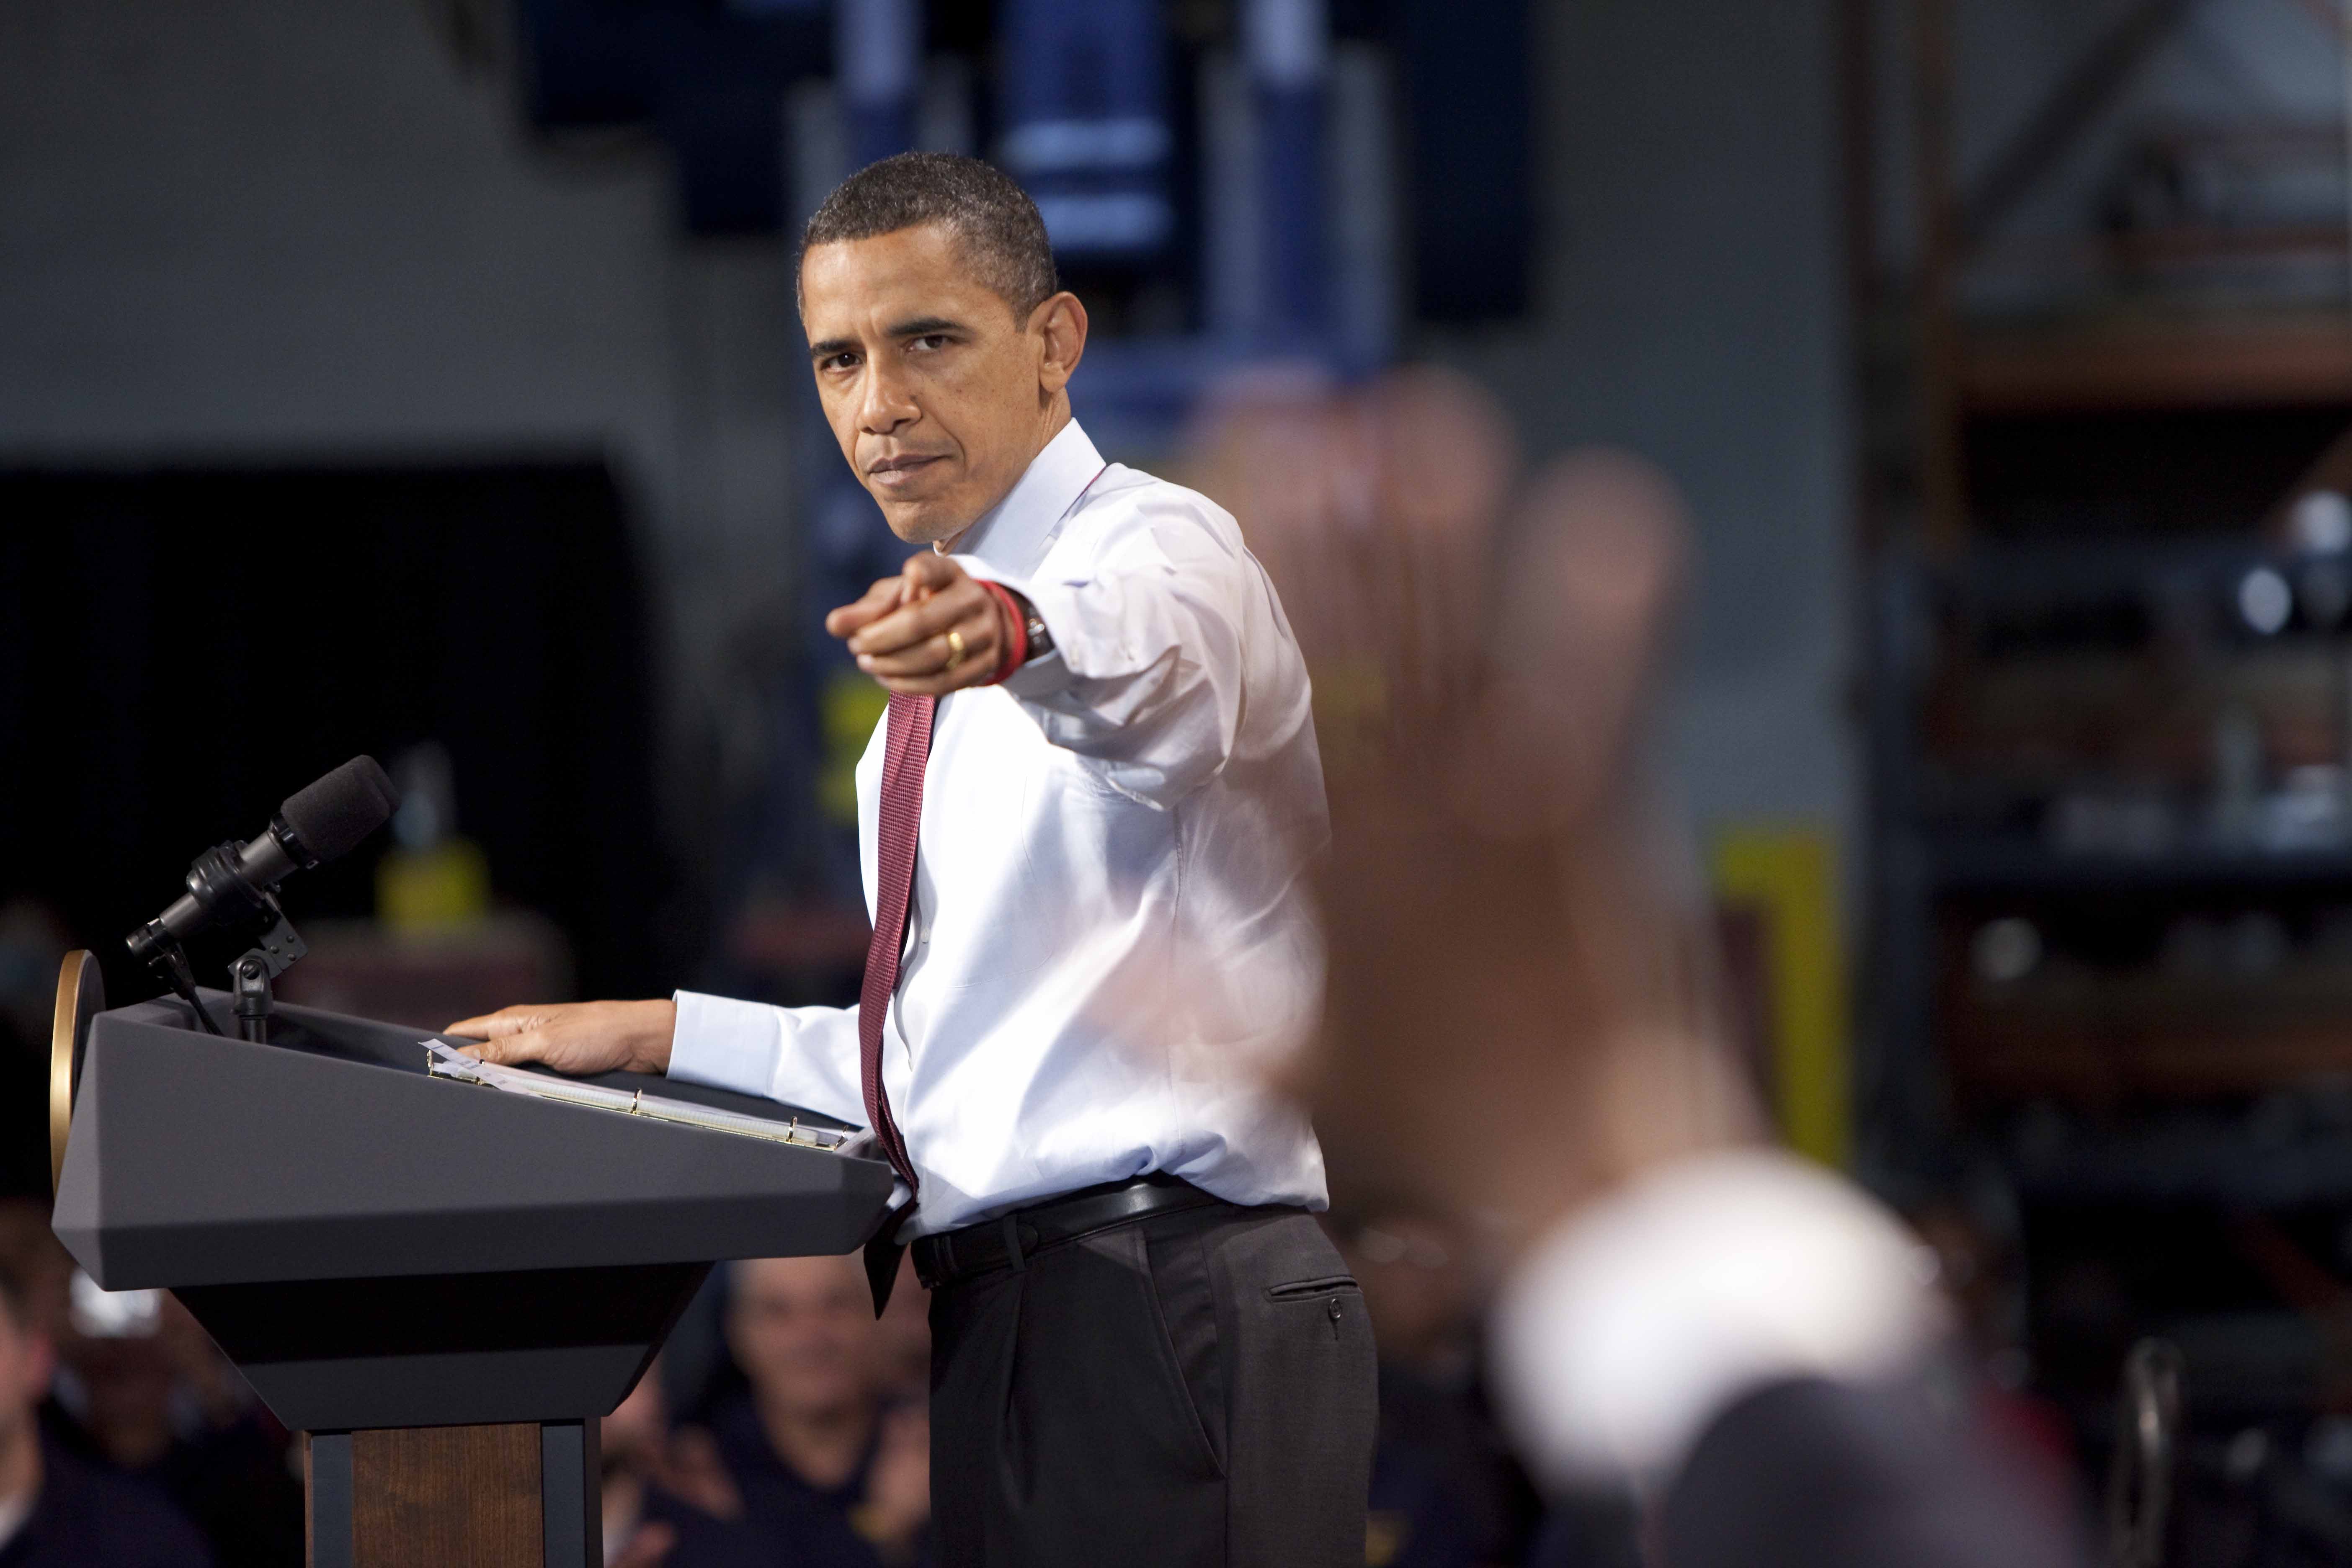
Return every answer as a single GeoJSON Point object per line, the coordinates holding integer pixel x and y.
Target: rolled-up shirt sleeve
{"type": "Point", "coordinates": [1152, 642]}
{"type": "Point", "coordinates": [1623, 1334]}
{"type": "Point", "coordinates": [802, 1056]}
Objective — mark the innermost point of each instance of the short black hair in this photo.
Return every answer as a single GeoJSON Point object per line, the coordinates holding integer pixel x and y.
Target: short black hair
{"type": "Point", "coordinates": [994, 221]}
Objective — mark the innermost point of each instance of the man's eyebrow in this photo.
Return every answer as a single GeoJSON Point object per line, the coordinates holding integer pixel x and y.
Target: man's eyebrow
{"type": "Point", "coordinates": [920, 327]}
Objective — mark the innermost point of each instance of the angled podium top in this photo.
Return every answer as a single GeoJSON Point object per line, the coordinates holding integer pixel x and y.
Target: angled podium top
{"type": "Point", "coordinates": [375, 1246]}
{"type": "Point", "coordinates": [330, 1153]}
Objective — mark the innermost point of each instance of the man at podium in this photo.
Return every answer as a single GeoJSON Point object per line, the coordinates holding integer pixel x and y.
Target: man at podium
{"type": "Point", "coordinates": [1098, 755]}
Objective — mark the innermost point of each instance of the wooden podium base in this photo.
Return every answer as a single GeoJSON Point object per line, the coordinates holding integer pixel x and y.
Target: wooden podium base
{"type": "Point", "coordinates": [518, 1496]}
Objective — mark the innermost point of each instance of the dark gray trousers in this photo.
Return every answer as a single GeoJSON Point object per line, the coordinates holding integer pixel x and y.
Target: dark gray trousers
{"type": "Point", "coordinates": [1193, 1389]}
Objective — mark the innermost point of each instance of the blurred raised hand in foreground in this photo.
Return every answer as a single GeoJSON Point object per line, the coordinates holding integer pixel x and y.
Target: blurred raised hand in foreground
{"type": "Point", "coordinates": [1518, 1007]}
{"type": "Point", "coordinates": [1518, 1026]}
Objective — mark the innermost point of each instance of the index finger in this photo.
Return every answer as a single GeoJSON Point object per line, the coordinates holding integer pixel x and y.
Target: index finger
{"type": "Point", "coordinates": [876, 601]}
{"type": "Point", "coordinates": [513, 1047]}
{"type": "Point", "coordinates": [505, 1021]}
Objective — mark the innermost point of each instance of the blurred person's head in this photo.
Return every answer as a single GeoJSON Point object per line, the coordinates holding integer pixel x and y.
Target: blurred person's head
{"type": "Point", "coordinates": [27, 1360]}
{"type": "Point", "coordinates": [125, 1372]}
{"type": "Point", "coordinates": [144, 1373]}
{"type": "Point", "coordinates": [1417, 1286]}
{"type": "Point", "coordinates": [803, 1331]}
{"type": "Point", "coordinates": [32, 1256]}
{"type": "Point", "coordinates": [940, 337]}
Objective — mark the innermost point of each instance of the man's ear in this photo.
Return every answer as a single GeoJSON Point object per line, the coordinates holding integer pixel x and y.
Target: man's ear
{"type": "Point", "coordinates": [1061, 322]}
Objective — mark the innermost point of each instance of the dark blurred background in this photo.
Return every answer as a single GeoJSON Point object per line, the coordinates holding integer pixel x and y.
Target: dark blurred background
{"type": "Point", "coordinates": [421, 377]}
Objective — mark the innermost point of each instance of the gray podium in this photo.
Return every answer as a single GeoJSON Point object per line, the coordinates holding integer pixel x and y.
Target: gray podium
{"type": "Point", "coordinates": [440, 1285]}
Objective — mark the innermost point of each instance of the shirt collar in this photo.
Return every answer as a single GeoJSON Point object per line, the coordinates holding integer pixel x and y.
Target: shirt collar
{"type": "Point", "coordinates": [1011, 535]}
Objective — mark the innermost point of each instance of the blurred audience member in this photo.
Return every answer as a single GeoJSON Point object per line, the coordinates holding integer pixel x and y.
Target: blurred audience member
{"type": "Point", "coordinates": [157, 1400]}
{"type": "Point", "coordinates": [57, 1511]}
{"type": "Point", "coordinates": [1444, 1492]}
{"type": "Point", "coordinates": [632, 1443]}
{"type": "Point", "coordinates": [148, 1392]}
{"type": "Point", "coordinates": [31, 1254]}
{"type": "Point", "coordinates": [1517, 1020]}
{"type": "Point", "coordinates": [649, 1521]}
{"type": "Point", "coordinates": [230, 1466]}
{"type": "Point", "coordinates": [812, 1448]}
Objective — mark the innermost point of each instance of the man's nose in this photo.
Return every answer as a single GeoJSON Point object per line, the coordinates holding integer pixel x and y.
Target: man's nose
{"type": "Point", "coordinates": [886, 404]}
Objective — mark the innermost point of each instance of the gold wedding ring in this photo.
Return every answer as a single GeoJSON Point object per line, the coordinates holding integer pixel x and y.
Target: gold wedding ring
{"type": "Point", "coordinates": [955, 648]}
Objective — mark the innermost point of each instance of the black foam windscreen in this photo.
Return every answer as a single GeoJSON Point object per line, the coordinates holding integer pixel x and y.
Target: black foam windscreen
{"type": "Point", "coordinates": [332, 816]}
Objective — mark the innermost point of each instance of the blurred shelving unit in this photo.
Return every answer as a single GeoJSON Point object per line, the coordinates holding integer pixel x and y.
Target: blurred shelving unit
{"type": "Point", "coordinates": [2108, 696]}
{"type": "Point", "coordinates": [2273, 359]}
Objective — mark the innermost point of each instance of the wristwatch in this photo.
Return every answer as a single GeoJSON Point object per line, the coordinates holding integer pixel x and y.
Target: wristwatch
{"type": "Point", "coordinates": [1041, 641]}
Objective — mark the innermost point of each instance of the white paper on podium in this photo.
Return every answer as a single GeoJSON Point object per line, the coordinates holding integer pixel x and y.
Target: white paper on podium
{"type": "Point", "coordinates": [443, 1060]}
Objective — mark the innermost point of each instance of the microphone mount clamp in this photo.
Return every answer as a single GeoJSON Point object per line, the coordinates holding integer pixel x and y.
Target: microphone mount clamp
{"type": "Point", "coordinates": [213, 880]}
{"type": "Point", "coordinates": [271, 955]}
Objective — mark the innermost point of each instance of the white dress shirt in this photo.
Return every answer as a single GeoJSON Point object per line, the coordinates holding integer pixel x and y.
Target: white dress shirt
{"type": "Point", "coordinates": [1623, 1334]}
{"type": "Point", "coordinates": [1108, 937]}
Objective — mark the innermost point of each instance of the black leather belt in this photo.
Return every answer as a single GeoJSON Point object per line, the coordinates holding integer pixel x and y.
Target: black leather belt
{"type": "Point", "coordinates": [1007, 1241]}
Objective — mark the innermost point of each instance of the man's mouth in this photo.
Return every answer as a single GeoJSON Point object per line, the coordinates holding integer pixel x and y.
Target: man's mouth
{"type": "Point", "coordinates": [899, 470]}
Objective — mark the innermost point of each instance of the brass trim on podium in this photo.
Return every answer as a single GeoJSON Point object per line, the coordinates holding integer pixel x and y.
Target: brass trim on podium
{"type": "Point", "coordinates": [82, 997]}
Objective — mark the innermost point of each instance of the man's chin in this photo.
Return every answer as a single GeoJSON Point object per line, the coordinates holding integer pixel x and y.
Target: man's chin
{"type": "Point", "coordinates": [925, 520]}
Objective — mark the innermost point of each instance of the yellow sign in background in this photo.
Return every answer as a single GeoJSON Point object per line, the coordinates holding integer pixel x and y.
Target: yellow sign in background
{"type": "Point", "coordinates": [1786, 873]}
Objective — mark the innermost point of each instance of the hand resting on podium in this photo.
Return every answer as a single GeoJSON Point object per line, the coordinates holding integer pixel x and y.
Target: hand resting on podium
{"type": "Point", "coordinates": [575, 1038]}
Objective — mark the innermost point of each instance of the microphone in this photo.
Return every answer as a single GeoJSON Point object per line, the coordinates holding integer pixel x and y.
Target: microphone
{"type": "Point", "coordinates": [234, 881]}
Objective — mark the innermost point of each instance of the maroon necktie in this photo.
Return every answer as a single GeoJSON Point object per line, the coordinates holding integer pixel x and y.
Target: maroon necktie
{"type": "Point", "coordinates": [905, 751]}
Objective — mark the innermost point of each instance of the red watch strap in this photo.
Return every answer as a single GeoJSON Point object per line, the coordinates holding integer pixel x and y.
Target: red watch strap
{"type": "Point", "coordinates": [1016, 645]}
